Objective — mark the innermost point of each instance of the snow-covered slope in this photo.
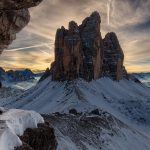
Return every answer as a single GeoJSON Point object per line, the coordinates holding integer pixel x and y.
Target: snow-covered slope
{"type": "Point", "coordinates": [9, 92]}
{"type": "Point", "coordinates": [49, 96]}
{"type": "Point", "coordinates": [13, 123]}
{"type": "Point", "coordinates": [126, 100]}
{"type": "Point", "coordinates": [95, 132]}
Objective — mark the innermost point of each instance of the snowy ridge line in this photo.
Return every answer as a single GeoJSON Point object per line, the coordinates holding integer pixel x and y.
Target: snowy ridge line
{"type": "Point", "coordinates": [22, 96]}
{"type": "Point", "coordinates": [49, 96]}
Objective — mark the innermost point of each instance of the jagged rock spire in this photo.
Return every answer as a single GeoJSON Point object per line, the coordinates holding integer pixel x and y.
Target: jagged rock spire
{"type": "Point", "coordinates": [113, 57]}
{"type": "Point", "coordinates": [80, 52]}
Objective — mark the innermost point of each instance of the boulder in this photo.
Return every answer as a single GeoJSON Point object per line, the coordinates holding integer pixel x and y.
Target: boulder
{"type": "Point", "coordinates": [73, 111]}
{"type": "Point", "coordinates": [41, 138]}
{"type": "Point", "coordinates": [95, 112]}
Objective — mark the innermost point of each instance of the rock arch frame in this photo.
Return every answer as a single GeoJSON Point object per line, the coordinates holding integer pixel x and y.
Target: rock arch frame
{"type": "Point", "coordinates": [14, 16]}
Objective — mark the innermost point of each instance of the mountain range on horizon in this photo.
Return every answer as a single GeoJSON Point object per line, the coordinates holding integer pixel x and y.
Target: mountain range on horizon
{"type": "Point", "coordinates": [16, 75]}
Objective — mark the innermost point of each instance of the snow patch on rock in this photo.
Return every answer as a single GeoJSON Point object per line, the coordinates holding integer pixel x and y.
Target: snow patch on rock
{"type": "Point", "coordinates": [13, 123]}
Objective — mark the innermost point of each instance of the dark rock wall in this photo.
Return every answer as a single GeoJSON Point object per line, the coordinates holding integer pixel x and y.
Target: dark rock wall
{"type": "Point", "coordinates": [113, 57]}
{"type": "Point", "coordinates": [91, 47]}
{"type": "Point", "coordinates": [11, 22]}
{"type": "Point", "coordinates": [80, 52]}
{"type": "Point", "coordinates": [41, 138]}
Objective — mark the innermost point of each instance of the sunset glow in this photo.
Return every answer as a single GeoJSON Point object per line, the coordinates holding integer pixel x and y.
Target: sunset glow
{"type": "Point", "coordinates": [130, 20]}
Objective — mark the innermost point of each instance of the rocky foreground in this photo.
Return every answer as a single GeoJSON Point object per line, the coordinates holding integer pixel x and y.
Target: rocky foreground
{"type": "Point", "coordinates": [96, 130]}
{"type": "Point", "coordinates": [40, 138]}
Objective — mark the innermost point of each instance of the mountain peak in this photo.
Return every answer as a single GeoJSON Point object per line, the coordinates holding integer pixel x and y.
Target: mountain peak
{"type": "Point", "coordinates": [80, 52]}
{"type": "Point", "coordinates": [73, 26]}
{"type": "Point", "coordinates": [96, 14]}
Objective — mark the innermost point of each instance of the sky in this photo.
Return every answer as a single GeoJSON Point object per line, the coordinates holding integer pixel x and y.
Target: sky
{"type": "Point", "coordinates": [129, 19]}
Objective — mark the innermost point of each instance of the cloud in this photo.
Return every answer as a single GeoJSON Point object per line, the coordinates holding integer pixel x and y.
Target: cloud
{"type": "Point", "coordinates": [130, 19]}
{"type": "Point", "coordinates": [33, 58]}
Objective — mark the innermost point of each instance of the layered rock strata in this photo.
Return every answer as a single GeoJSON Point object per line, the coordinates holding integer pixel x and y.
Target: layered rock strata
{"type": "Point", "coordinates": [80, 52]}
{"type": "Point", "coordinates": [113, 57]}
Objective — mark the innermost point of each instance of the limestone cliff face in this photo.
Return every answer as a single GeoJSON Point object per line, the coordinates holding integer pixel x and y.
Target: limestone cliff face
{"type": "Point", "coordinates": [14, 16]}
{"type": "Point", "coordinates": [113, 57]}
{"type": "Point", "coordinates": [92, 47]}
{"type": "Point", "coordinates": [78, 50]}
{"type": "Point", "coordinates": [67, 53]}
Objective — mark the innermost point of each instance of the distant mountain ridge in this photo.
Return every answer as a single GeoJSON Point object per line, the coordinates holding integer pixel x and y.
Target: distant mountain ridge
{"type": "Point", "coordinates": [142, 74]}
{"type": "Point", "coordinates": [16, 75]}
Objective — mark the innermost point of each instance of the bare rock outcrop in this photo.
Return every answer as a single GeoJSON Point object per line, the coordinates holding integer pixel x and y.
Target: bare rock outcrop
{"type": "Point", "coordinates": [80, 52]}
{"type": "Point", "coordinates": [14, 16]}
{"type": "Point", "coordinates": [0, 84]}
{"type": "Point", "coordinates": [113, 57]}
{"type": "Point", "coordinates": [41, 138]}
{"type": "Point", "coordinates": [45, 75]}
{"type": "Point", "coordinates": [11, 22]}
{"type": "Point", "coordinates": [18, 4]}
